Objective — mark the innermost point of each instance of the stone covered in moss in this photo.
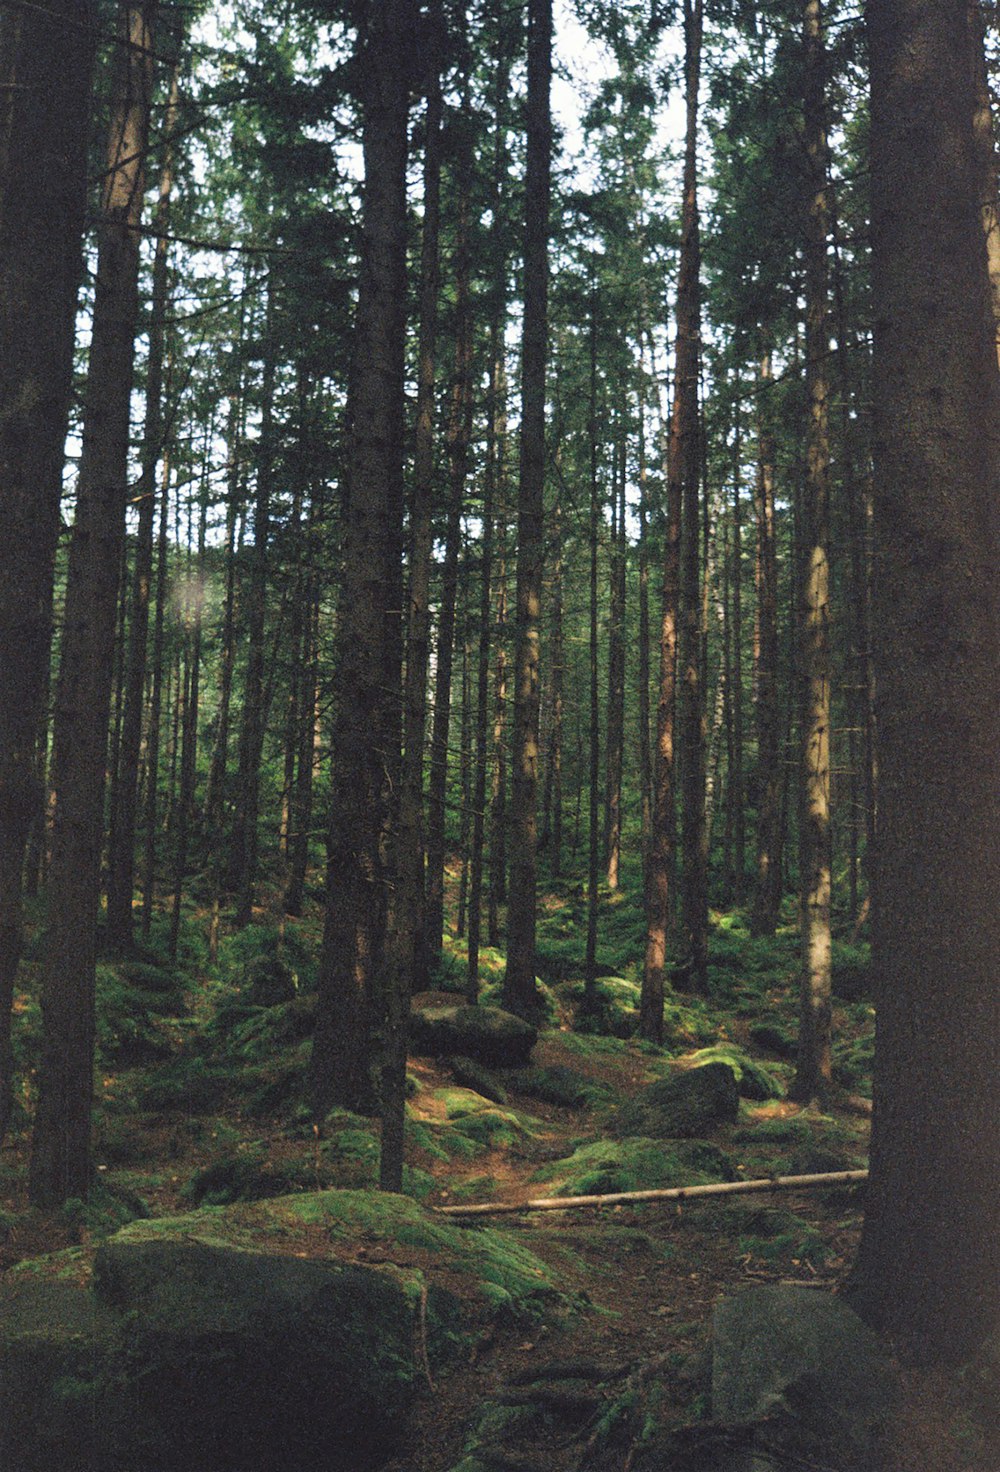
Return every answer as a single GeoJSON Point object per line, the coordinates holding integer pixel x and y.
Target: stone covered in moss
{"type": "Point", "coordinates": [607, 1166]}
{"type": "Point", "coordinates": [487, 1034]}
{"type": "Point", "coordinates": [682, 1104]}
{"type": "Point", "coordinates": [753, 1079]}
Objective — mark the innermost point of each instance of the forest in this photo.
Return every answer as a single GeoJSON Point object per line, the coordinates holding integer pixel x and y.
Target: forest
{"type": "Point", "coordinates": [499, 646]}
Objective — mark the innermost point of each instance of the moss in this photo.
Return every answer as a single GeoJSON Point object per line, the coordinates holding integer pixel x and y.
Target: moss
{"type": "Point", "coordinates": [635, 1164]}
{"type": "Point", "coordinates": [754, 1079]}
{"type": "Point", "coordinates": [557, 1085]}
{"type": "Point", "coordinates": [801, 1145]}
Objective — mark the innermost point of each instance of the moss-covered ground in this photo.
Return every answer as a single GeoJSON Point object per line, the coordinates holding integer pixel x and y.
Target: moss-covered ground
{"type": "Point", "coordinates": [201, 1131]}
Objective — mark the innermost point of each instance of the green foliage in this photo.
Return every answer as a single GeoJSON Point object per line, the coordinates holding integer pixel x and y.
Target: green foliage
{"type": "Point", "coordinates": [801, 1144]}
{"type": "Point", "coordinates": [558, 1085]}
{"type": "Point", "coordinates": [129, 1019]}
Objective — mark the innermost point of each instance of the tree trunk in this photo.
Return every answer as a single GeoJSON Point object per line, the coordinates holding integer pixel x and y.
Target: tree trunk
{"type": "Point", "coordinates": [410, 898]}
{"type": "Point", "coordinates": [520, 993]}
{"type": "Point", "coordinates": [458, 436]}
{"type": "Point", "coordinates": [60, 1156]}
{"type": "Point", "coordinates": [46, 55]}
{"type": "Point", "coordinates": [124, 801]}
{"type": "Point", "coordinates": [594, 764]}
{"type": "Point", "coordinates": [366, 732]}
{"type": "Point", "coordinates": [929, 1265]}
{"type": "Point", "coordinates": [813, 1066]}
{"type": "Point", "coordinates": [155, 704]}
{"type": "Point", "coordinates": [767, 892]}
{"type": "Point", "coordinates": [686, 465]}
{"type": "Point", "coordinates": [615, 743]}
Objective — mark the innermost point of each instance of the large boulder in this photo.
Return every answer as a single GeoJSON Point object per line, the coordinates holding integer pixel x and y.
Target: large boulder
{"type": "Point", "coordinates": [684, 1104]}
{"type": "Point", "coordinates": [192, 1357]}
{"type": "Point", "coordinates": [486, 1034]}
{"type": "Point", "coordinates": [801, 1366]}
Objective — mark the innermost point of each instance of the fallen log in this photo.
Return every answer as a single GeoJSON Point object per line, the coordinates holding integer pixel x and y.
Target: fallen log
{"type": "Point", "coordinates": [665, 1193]}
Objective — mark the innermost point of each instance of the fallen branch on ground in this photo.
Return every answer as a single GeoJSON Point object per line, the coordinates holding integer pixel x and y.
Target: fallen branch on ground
{"type": "Point", "coordinates": [666, 1193]}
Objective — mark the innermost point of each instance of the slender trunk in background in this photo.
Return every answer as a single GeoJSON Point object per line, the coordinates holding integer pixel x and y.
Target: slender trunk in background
{"type": "Point", "coordinates": [767, 891]}
{"type": "Point", "coordinates": [686, 465]}
{"type": "Point", "coordinates": [491, 485]}
{"type": "Point", "coordinates": [155, 703]}
{"type": "Point", "coordinates": [465, 784]}
{"type": "Point", "coordinates": [245, 828]}
{"type": "Point", "coordinates": [558, 699]}
{"type": "Point", "coordinates": [737, 795]}
{"type": "Point", "coordinates": [520, 994]}
{"type": "Point", "coordinates": [60, 1155]}
{"type": "Point", "coordinates": [124, 798]}
{"type": "Point", "coordinates": [615, 748]}
{"type": "Point", "coordinates": [215, 792]}
{"type": "Point", "coordinates": [46, 56]}
{"type": "Point", "coordinates": [928, 1272]}
{"type": "Point", "coordinates": [367, 724]}
{"type": "Point", "coordinates": [305, 761]}
{"type": "Point", "coordinates": [642, 663]}
{"type": "Point", "coordinates": [189, 724]}
{"type": "Point", "coordinates": [813, 1076]}
{"type": "Point", "coordinates": [498, 790]}
{"type": "Point", "coordinates": [662, 840]}
{"type": "Point", "coordinates": [458, 436]}
{"type": "Point", "coordinates": [410, 898]}
{"type": "Point", "coordinates": [593, 785]}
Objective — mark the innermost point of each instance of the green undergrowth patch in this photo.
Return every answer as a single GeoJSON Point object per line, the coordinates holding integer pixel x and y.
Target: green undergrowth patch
{"type": "Point", "coordinates": [558, 1085]}
{"type": "Point", "coordinates": [802, 1144]}
{"type": "Point", "coordinates": [486, 1124]}
{"type": "Point", "coordinates": [635, 1164]}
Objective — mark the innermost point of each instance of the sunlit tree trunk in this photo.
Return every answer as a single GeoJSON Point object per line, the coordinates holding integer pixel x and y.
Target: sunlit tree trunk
{"type": "Point", "coordinates": [813, 1069]}
{"type": "Point", "coordinates": [615, 752]}
{"type": "Point", "coordinates": [519, 989]}
{"type": "Point", "coordinates": [60, 1155]}
{"type": "Point", "coordinates": [46, 54]}
{"type": "Point", "coordinates": [929, 1265]}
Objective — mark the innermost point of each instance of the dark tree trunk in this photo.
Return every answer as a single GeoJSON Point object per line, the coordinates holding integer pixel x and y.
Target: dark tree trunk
{"type": "Point", "coordinates": [60, 1156]}
{"type": "Point", "coordinates": [46, 54]}
{"type": "Point", "coordinates": [366, 732]}
{"type": "Point", "coordinates": [767, 892]}
{"type": "Point", "coordinates": [520, 993]}
{"type": "Point", "coordinates": [929, 1265]}
{"type": "Point", "coordinates": [615, 752]}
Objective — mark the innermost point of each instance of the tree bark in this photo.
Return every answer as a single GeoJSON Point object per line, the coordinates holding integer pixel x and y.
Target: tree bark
{"type": "Point", "coordinates": [366, 732]}
{"type": "Point", "coordinates": [60, 1156]}
{"type": "Point", "coordinates": [813, 1077]}
{"type": "Point", "coordinates": [46, 57]}
{"type": "Point", "coordinates": [767, 891]}
{"type": "Point", "coordinates": [929, 1264]}
{"type": "Point", "coordinates": [520, 993]}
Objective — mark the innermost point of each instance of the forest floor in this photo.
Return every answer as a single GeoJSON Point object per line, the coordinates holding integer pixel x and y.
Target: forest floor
{"type": "Point", "coordinates": [213, 1117]}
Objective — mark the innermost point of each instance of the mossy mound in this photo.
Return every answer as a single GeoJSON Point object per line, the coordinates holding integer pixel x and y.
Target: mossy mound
{"type": "Point", "coordinates": [801, 1144]}
{"type": "Point", "coordinates": [755, 1081]}
{"type": "Point", "coordinates": [491, 1036]}
{"type": "Point", "coordinates": [615, 1008]}
{"type": "Point", "coordinates": [607, 1166]}
{"type": "Point", "coordinates": [486, 1124]}
{"type": "Point", "coordinates": [684, 1104]}
{"type": "Point", "coordinates": [472, 1075]}
{"type": "Point", "coordinates": [557, 1084]}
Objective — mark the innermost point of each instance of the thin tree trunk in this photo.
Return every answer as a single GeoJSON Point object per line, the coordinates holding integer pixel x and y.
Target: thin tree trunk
{"type": "Point", "coordinates": [737, 795]}
{"type": "Point", "coordinates": [155, 704]}
{"type": "Point", "coordinates": [520, 993]}
{"type": "Point", "coordinates": [594, 776]}
{"type": "Point", "coordinates": [767, 892]}
{"type": "Point", "coordinates": [60, 1156]}
{"type": "Point", "coordinates": [813, 1076]}
{"type": "Point", "coordinates": [615, 741]}
{"type": "Point", "coordinates": [46, 57]}
{"type": "Point", "coordinates": [124, 801]}
{"type": "Point", "coordinates": [686, 465]}
{"type": "Point", "coordinates": [189, 725]}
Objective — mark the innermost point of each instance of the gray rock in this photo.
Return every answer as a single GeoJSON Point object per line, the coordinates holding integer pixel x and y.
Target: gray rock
{"type": "Point", "coordinates": [191, 1357]}
{"type": "Point", "coordinates": [684, 1104]}
{"type": "Point", "coordinates": [800, 1366]}
{"type": "Point", "coordinates": [486, 1034]}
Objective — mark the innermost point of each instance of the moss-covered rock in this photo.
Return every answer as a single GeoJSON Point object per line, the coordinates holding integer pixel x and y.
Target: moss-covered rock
{"type": "Point", "coordinates": [472, 1075]}
{"type": "Point", "coordinates": [683, 1104]}
{"type": "Point", "coordinates": [557, 1084]}
{"type": "Point", "coordinates": [487, 1034]}
{"type": "Point", "coordinates": [604, 1167]}
{"type": "Point", "coordinates": [754, 1080]}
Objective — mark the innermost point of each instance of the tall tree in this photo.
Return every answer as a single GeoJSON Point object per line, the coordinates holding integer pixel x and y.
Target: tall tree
{"type": "Point", "coordinates": [686, 466]}
{"type": "Point", "coordinates": [366, 731]}
{"type": "Point", "coordinates": [929, 1264]}
{"type": "Point", "coordinates": [60, 1156]}
{"type": "Point", "coordinates": [46, 57]}
{"type": "Point", "coordinates": [814, 1064]}
{"type": "Point", "coordinates": [519, 989]}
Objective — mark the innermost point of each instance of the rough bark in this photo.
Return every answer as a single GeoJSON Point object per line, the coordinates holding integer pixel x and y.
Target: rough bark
{"type": "Point", "coordinates": [60, 1157]}
{"type": "Point", "coordinates": [46, 55]}
{"type": "Point", "coordinates": [929, 1265]}
{"type": "Point", "coordinates": [519, 989]}
{"type": "Point", "coordinates": [813, 1065]}
{"type": "Point", "coordinates": [767, 891]}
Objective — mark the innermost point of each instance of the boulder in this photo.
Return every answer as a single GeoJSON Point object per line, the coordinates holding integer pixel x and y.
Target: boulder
{"type": "Point", "coordinates": [684, 1104]}
{"type": "Point", "coordinates": [191, 1357]}
{"type": "Point", "coordinates": [486, 1034]}
{"type": "Point", "coordinates": [472, 1075]}
{"type": "Point", "coordinates": [800, 1366]}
